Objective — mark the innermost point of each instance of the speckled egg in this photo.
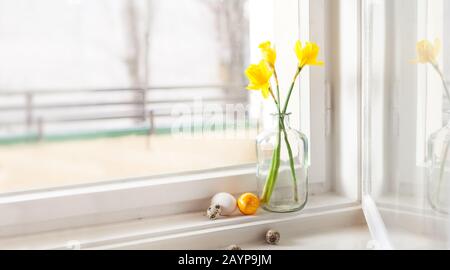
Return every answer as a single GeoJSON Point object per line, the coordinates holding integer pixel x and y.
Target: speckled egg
{"type": "Point", "coordinates": [272, 237]}
{"type": "Point", "coordinates": [234, 247]}
{"type": "Point", "coordinates": [213, 211]}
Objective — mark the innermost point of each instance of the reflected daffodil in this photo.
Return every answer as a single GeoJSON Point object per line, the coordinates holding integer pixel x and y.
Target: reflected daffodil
{"type": "Point", "coordinates": [428, 52]}
{"type": "Point", "coordinates": [259, 76]}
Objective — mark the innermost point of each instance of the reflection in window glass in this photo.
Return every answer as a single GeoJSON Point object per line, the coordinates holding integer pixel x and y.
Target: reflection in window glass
{"type": "Point", "coordinates": [406, 105]}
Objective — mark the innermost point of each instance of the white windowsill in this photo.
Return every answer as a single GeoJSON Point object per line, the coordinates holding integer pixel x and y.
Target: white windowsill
{"type": "Point", "coordinates": [327, 212]}
{"type": "Point", "coordinates": [123, 200]}
{"type": "Point", "coordinates": [421, 226]}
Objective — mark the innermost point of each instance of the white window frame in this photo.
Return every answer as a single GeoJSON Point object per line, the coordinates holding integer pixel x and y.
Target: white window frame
{"type": "Point", "coordinates": [127, 199]}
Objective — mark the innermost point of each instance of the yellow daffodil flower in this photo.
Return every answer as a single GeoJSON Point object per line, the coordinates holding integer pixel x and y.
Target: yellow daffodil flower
{"type": "Point", "coordinates": [307, 55]}
{"type": "Point", "coordinates": [259, 76]}
{"type": "Point", "coordinates": [269, 54]}
{"type": "Point", "coordinates": [428, 52]}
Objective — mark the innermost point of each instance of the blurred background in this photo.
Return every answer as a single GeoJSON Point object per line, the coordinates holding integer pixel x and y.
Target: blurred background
{"type": "Point", "coordinates": [88, 89]}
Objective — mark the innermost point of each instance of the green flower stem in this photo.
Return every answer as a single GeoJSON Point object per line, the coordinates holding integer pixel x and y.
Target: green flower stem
{"type": "Point", "coordinates": [299, 69]}
{"type": "Point", "coordinates": [274, 168]}
{"type": "Point", "coordinates": [273, 172]}
{"type": "Point", "coordinates": [278, 88]}
{"type": "Point", "coordinates": [291, 164]}
{"type": "Point", "coordinates": [288, 146]}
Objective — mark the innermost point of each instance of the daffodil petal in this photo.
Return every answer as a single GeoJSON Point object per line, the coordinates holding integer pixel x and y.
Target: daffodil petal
{"type": "Point", "coordinates": [259, 77]}
{"type": "Point", "coordinates": [427, 52]}
{"type": "Point", "coordinates": [269, 54]}
{"type": "Point", "coordinates": [265, 92]}
{"type": "Point", "coordinates": [252, 87]}
{"type": "Point", "coordinates": [308, 54]}
{"type": "Point", "coordinates": [264, 45]}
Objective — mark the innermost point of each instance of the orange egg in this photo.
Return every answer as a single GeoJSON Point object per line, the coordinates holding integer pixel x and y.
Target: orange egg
{"type": "Point", "coordinates": [248, 203]}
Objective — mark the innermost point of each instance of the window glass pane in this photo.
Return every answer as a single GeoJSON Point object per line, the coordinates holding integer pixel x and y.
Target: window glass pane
{"type": "Point", "coordinates": [406, 164]}
{"type": "Point", "coordinates": [100, 90]}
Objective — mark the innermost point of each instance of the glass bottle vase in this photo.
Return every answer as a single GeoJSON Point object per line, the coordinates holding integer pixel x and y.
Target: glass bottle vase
{"type": "Point", "coordinates": [438, 180]}
{"type": "Point", "coordinates": [282, 167]}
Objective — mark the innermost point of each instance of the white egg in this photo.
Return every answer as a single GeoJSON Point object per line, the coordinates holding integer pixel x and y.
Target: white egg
{"type": "Point", "coordinates": [226, 201]}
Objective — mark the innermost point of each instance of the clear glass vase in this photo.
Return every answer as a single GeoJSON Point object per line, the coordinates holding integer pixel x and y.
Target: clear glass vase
{"type": "Point", "coordinates": [282, 167]}
{"type": "Point", "coordinates": [438, 180]}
